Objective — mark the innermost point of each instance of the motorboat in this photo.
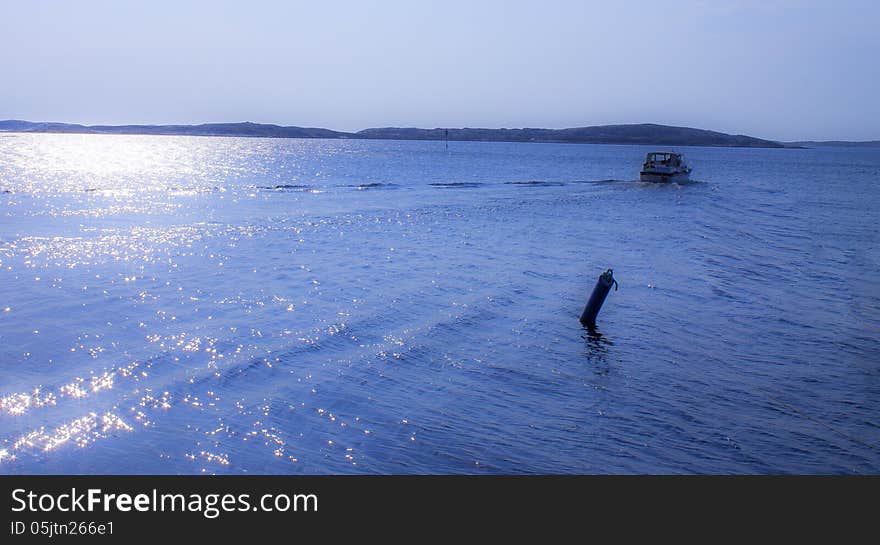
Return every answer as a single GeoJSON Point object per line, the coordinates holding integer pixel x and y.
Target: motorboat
{"type": "Point", "coordinates": [664, 166]}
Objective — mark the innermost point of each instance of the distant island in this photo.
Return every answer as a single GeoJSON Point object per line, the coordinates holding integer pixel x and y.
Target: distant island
{"type": "Point", "coordinates": [834, 144]}
{"type": "Point", "coordinates": [644, 133]}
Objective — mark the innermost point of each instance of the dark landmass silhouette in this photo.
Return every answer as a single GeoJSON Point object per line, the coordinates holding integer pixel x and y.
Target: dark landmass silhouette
{"type": "Point", "coordinates": [833, 144]}
{"type": "Point", "coordinates": [644, 133]}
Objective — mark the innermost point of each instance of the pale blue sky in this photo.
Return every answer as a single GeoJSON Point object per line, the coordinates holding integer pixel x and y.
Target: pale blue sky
{"type": "Point", "coordinates": [781, 70]}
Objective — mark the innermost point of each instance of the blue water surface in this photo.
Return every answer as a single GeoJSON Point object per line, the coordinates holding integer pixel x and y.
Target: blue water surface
{"type": "Point", "coordinates": [235, 305]}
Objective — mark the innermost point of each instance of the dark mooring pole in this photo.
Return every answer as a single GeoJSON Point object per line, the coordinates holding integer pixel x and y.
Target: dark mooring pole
{"type": "Point", "coordinates": [446, 135]}
{"type": "Point", "coordinates": [597, 298]}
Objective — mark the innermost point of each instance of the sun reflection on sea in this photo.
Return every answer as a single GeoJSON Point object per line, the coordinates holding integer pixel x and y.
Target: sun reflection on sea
{"type": "Point", "coordinates": [80, 432]}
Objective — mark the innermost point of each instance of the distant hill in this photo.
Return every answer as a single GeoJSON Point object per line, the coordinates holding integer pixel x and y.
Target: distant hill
{"type": "Point", "coordinates": [834, 144]}
{"type": "Point", "coordinates": [206, 129]}
{"type": "Point", "coordinates": [646, 133]}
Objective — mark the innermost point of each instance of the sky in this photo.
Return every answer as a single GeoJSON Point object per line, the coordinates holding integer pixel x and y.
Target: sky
{"type": "Point", "coordinates": [784, 70]}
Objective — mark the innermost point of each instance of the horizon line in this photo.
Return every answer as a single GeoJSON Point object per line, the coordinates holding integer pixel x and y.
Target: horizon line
{"type": "Point", "coordinates": [413, 127]}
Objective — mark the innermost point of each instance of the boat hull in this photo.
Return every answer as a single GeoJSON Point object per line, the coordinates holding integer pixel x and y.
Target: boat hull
{"type": "Point", "coordinates": [663, 178]}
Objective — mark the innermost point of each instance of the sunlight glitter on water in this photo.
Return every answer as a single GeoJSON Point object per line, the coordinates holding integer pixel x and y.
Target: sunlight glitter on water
{"type": "Point", "coordinates": [188, 305]}
{"type": "Point", "coordinates": [80, 432]}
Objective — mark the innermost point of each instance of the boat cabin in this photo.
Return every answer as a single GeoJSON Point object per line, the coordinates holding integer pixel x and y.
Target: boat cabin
{"type": "Point", "coordinates": [663, 158]}
{"type": "Point", "coordinates": [664, 166]}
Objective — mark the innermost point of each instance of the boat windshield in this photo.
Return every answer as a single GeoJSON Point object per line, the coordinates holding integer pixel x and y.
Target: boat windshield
{"type": "Point", "coordinates": [662, 158]}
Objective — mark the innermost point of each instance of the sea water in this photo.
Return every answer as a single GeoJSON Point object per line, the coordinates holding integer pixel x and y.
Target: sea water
{"type": "Point", "coordinates": [235, 305]}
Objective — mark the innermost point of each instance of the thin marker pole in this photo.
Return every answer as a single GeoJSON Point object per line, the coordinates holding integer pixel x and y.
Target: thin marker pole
{"type": "Point", "coordinates": [600, 292]}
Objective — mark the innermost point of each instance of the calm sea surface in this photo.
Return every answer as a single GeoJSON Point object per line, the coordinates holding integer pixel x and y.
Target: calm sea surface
{"type": "Point", "coordinates": [233, 305]}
